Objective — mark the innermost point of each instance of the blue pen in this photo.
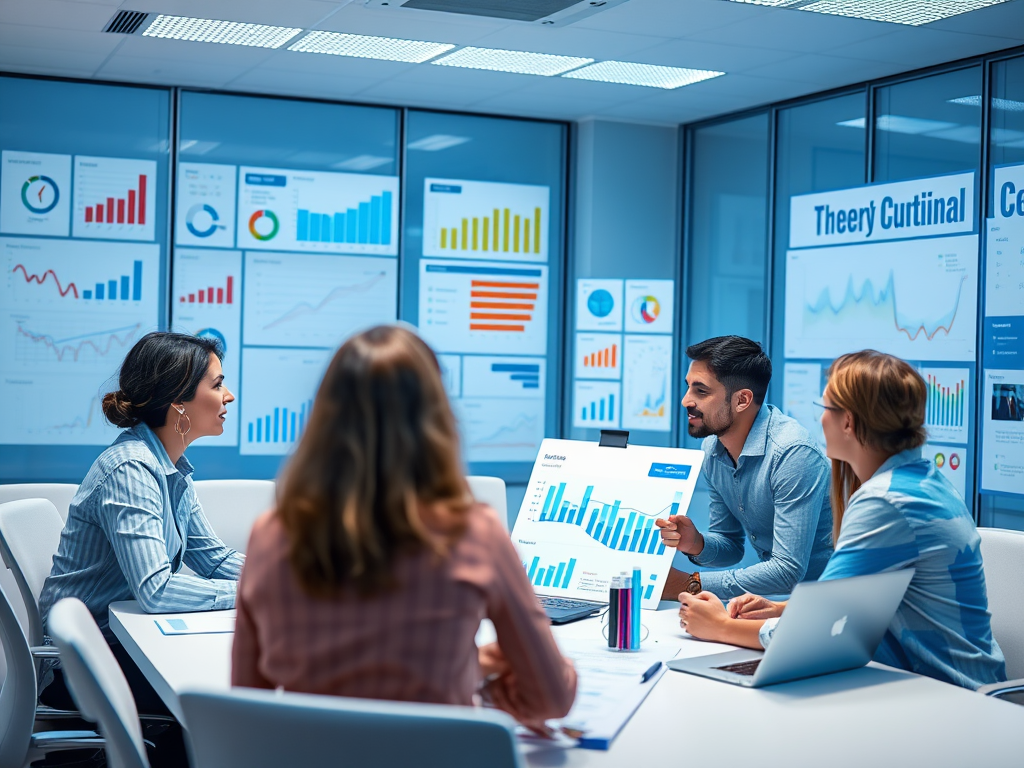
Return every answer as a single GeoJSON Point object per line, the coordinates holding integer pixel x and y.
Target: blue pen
{"type": "Point", "coordinates": [651, 672]}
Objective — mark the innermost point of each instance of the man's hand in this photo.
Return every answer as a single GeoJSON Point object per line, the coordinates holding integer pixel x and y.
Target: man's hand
{"type": "Point", "coordinates": [750, 606]}
{"type": "Point", "coordinates": [702, 615]}
{"type": "Point", "coordinates": [679, 532]}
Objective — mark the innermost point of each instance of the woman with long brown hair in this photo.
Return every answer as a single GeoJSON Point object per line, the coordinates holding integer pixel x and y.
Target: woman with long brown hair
{"type": "Point", "coordinates": [892, 509]}
{"type": "Point", "coordinates": [372, 575]}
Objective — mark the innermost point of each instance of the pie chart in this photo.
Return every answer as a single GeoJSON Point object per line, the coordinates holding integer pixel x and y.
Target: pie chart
{"type": "Point", "coordinates": [646, 309]}
{"type": "Point", "coordinates": [600, 303]}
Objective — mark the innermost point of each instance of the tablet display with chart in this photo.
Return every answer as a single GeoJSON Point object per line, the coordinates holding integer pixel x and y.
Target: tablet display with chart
{"type": "Point", "coordinates": [589, 512]}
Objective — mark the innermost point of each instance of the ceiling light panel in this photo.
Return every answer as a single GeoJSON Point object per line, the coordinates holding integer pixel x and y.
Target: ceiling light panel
{"type": "Point", "coordinates": [910, 12]}
{"type": "Point", "coordinates": [436, 142]}
{"type": "Point", "coordinates": [629, 73]}
{"type": "Point", "coordinates": [369, 47]}
{"type": "Point", "coordinates": [517, 62]}
{"type": "Point", "coordinates": [1006, 105]}
{"type": "Point", "coordinates": [226, 32]}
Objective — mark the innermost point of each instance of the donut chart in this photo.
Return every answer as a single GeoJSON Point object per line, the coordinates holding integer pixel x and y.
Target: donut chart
{"type": "Point", "coordinates": [275, 224]}
{"type": "Point", "coordinates": [38, 185]}
{"type": "Point", "coordinates": [646, 309]}
{"type": "Point", "coordinates": [600, 303]}
{"type": "Point", "coordinates": [209, 210]}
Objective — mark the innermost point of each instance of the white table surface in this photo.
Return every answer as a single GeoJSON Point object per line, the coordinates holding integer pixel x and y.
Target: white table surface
{"type": "Point", "coordinates": [875, 716]}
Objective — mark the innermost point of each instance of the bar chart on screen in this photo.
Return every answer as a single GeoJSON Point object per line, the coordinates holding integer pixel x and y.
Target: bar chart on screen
{"type": "Point", "coordinates": [597, 404]}
{"type": "Point", "coordinates": [279, 386]}
{"type": "Point", "coordinates": [478, 307]}
{"type": "Point", "coordinates": [598, 356]}
{"type": "Point", "coordinates": [947, 408]}
{"type": "Point", "coordinates": [588, 513]}
{"type": "Point", "coordinates": [76, 276]}
{"type": "Point", "coordinates": [208, 277]}
{"type": "Point", "coordinates": [306, 300]}
{"type": "Point", "coordinates": [483, 219]}
{"type": "Point", "coordinates": [115, 198]}
{"type": "Point", "coordinates": [317, 211]}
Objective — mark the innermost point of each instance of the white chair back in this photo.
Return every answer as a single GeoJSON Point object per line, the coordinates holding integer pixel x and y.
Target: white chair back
{"type": "Point", "coordinates": [266, 729]}
{"type": "Point", "coordinates": [60, 494]}
{"type": "Point", "coordinates": [1003, 554]}
{"type": "Point", "coordinates": [29, 537]}
{"type": "Point", "coordinates": [18, 694]}
{"type": "Point", "coordinates": [97, 683]}
{"type": "Point", "coordinates": [490, 491]}
{"type": "Point", "coordinates": [232, 507]}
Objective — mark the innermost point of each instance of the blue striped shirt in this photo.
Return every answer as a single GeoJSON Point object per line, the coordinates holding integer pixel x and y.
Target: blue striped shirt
{"type": "Point", "coordinates": [908, 515]}
{"type": "Point", "coordinates": [132, 525]}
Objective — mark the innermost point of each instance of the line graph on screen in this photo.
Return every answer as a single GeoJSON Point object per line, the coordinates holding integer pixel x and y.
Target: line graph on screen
{"type": "Point", "coordinates": [62, 290]}
{"type": "Point", "coordinates": [915, 299]}
{"type": "Point", "coordinates": [33, 347]}
{"type": "Point", "coordinates": [303, 300]}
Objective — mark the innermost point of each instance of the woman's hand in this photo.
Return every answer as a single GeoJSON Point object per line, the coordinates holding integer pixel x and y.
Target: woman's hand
{"type": "Point", "coordinates": [703, 615]}
{"type": "Point", "coordinates": [502, 690]}
{"type": "Point", "coordinates": [492, 660]}
{"type": "Point", "coordinates": [750, 606]}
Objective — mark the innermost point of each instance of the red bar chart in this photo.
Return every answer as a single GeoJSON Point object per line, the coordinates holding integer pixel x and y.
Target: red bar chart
{"type": "Point", "coordinates": [211, 294]}
{"type": "Point", "coordinates": [114, 198]}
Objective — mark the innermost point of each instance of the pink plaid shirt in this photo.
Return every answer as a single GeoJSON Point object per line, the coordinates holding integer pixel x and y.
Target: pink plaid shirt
{"type": "Point", "coordinates": [415, 643]}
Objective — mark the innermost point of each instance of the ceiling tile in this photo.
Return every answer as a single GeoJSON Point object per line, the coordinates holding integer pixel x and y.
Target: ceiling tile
{"type": "Point", "coordinates": [57, 14]}
{"type": "Point", "coordinates": [168, 71]}
{"type": "Point", "coordinates": [57, 39]}
{"type": "Point", "coordinates": [921, 47]}
{"type": "Point", "coordinates": [831, 71]}
{"type": "Point", "coordinates": [49, 60]}
{"type": "Point", "coordinates": [337, 66]}
{"type": "Point", "coordinates": [797, 31]}
{"type": "Point", "coordinates": [717, 56]}
{"type": "Point", "coordinates": [411, 24]}
{"type": "Point", "coordinates": [415, 94]}
{"type": "Point", "coordinates": [275, 82]}
{"type": "Point", "coordinates": [210, 54]}
{"type": "Point", "coordinates": [570, 41]}
{"type": "Point", "coordinates": [682, 17]}
{"type": "Point", "coordinates": [1004, 20]}
{"type": "Point", "coordinates": [294, 13]}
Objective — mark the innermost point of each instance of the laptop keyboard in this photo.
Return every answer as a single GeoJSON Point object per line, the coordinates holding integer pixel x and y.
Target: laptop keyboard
{"type": "Point", "coordinates": [565, 603]}
{"type": "Point", "coordinates": [742, 668]}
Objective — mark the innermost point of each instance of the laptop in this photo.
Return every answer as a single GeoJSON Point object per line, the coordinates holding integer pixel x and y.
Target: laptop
{"type": "Point", "coordinates": [562, 610]}
{"type": "Point", "coordinates": [828, 626]}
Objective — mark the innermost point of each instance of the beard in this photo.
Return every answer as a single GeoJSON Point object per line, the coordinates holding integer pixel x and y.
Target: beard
{"type": "Point", "coordinates": [716, 425]}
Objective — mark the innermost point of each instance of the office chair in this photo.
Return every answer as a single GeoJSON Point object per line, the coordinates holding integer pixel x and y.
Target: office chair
{"type": "Point", "coordinates": [29, 537]}
{"type": "Point", "coordinates": [232, 506]}
{"type": "Point", "coordinates": [267, 729]}
{"type": "Point", "coordinates": [490, 491]}
{"type": "Point", "coordinates": [1003, 554]}
{"type": "Point", "coordinates": [60, 494]}
{"type": "Point", "coordinates": [97, 683]}
{"type": "Point", "coordinates": [19, 745]}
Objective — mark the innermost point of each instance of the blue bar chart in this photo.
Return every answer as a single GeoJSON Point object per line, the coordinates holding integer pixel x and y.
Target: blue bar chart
{"type": "Point", "coordinates": [609, 523]}
{"type": "Point", "coordinates": [109, 289]}
{"type": "Point", "coordinates": [369, 223]}
{"type": "Point", "coordinates": [556, 575]}
{"type": "Point", "coordinates": [282, 426]}
{"type": "Point", "coordinates": [597, 404]}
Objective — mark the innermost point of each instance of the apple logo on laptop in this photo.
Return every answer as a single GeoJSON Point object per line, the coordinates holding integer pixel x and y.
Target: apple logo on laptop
{"type": "Point", "coordinates": [839, 626]}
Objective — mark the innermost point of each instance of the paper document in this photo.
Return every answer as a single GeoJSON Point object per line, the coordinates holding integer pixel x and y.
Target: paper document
{"type": "Point", "coordinates": [608, 688]}
{"type": "Point", "coordinates": [212, 623]}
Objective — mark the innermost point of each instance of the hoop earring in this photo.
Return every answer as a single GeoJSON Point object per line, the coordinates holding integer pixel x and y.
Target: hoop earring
{"type": "Point", "coordinates": [188, 427]}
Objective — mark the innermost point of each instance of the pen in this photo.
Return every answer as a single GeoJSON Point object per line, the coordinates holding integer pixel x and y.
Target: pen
{"type": "Point", "coordinates": [651, 672]}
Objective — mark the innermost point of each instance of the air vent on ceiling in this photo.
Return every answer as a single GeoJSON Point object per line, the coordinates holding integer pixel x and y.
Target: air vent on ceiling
{"type": "Point", "coordinates": [556, 13]}
{"type": "Point", "coordinates": [126, 22]}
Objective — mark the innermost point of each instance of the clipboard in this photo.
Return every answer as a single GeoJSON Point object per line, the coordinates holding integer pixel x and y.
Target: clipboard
{"type": "Point", "coordinates": [601, 733]}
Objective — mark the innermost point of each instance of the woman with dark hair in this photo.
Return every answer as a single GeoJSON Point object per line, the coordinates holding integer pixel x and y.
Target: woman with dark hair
{"type": "Point", "coordinates": [891, 509]}
{"type": "Point", "coordinates": [135, 520]}
{"type": "Point", "coordinates": [371, 576]}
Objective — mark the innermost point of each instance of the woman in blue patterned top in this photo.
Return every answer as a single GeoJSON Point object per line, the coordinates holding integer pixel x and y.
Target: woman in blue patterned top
{"type": "Point", "coordinates": [892, 509]}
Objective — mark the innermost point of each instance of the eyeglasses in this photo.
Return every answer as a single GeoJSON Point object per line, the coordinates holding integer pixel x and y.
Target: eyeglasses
{"type": "Point", "coordinates": [822, 405]}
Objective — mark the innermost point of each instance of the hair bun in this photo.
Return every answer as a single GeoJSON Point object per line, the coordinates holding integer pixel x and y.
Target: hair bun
{"type": "Point", "coordinates": [119, 410]}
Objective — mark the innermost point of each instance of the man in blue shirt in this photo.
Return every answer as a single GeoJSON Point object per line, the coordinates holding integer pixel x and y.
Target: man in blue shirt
{"type": "Point", "coordinates": [768, 480]}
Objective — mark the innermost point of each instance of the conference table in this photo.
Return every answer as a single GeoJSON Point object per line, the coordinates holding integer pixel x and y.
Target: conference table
{"type": "Point", "coordinates": [874, 716]}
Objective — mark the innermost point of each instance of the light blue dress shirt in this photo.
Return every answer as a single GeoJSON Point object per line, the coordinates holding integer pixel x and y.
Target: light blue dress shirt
{"type": "Point", "coordinates": [777, 495]}
{"type": "Point", "coordinates": [908, 515]}
{"type": "Point", "coordinates": [134, 522]}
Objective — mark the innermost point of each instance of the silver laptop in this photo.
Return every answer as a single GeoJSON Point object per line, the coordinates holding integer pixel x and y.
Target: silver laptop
{"type": "Point", "coordinates": [828, 626]}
